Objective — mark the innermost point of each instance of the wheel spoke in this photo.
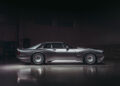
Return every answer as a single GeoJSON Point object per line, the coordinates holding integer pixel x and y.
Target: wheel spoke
{"type": "Point", "coordinates": [37, 59]}
{"type": "Point", "coordinates": [90, 59]}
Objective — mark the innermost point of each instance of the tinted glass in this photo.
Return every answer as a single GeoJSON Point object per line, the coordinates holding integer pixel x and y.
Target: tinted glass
{"type": "Point", "coordinates": [47, 46]}
{"type": "Point", "coordinates": [66, 45]}
{"type": "Point", "coordinates": [57, 45]}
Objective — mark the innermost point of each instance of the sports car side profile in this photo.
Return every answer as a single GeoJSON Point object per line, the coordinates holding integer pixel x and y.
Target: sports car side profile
{"type": "Point", "coordinates": [59, 52]}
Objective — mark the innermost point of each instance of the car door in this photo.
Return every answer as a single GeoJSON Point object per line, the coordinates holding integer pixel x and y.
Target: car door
{"type": "Point", "coordinates": [62, 53]}
{"type": "Point", "coordinates": [71, 52]}
{"type": "Point", "coordinates": [59, 51]}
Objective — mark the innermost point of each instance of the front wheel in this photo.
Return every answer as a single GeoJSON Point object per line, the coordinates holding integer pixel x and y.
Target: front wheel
{"type": "Point", "coordinates": [90, 59]}
{"type": "Point", "coordinates": [38, 58]}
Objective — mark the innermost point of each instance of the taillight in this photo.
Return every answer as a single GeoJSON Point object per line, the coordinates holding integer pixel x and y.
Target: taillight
{"type": "Point", "coordinates": [18, 53]}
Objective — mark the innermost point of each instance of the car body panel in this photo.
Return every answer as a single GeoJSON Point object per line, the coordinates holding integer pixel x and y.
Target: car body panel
{"type": "Point", "coordinates": [63, 54]}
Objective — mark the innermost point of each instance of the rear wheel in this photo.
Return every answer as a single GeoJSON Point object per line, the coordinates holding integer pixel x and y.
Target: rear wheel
{"type": "Point", "coordinates": [90, 59]}
{"type": "Point", "coordinates": [38, 58]}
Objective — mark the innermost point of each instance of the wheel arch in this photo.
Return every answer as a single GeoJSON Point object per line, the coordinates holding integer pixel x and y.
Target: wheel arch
{"type": "Point", "coordinates": [89, 52]}
{"type": "Point", "coordinates": [36, 53]}
{"type": "Point", "coordinates": [84, 54]}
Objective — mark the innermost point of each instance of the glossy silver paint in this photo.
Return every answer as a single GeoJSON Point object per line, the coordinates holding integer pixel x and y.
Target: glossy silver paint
{"type": "Point", "coordinates": [65, 54]}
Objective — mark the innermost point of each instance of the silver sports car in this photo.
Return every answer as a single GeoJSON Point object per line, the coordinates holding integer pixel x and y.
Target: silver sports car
{"type": "Point", "coordinates": [59, 52]}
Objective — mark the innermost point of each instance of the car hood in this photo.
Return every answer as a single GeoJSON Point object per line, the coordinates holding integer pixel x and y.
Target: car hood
{"type": "Point", "coordinates": [89, 49]}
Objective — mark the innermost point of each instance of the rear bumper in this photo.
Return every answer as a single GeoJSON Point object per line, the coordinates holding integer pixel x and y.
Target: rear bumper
{"type": "Point", "coordinates": [24, 59]}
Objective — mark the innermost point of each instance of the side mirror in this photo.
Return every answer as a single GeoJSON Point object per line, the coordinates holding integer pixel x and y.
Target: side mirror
{"type": "Point", "coordinates": [78, 47]}
{"type": "Point", "coordinates": [67, 47]}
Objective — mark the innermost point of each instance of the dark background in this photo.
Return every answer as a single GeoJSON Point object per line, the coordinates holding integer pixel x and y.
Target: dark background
{"type": "Point", "coordinates": [94, 24]}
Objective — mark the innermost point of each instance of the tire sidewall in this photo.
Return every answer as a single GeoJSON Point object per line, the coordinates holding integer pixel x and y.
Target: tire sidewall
{"type": "Point", "coordinates": [42, 59]}
{"type": "Point", "coordinates": [90, 63]}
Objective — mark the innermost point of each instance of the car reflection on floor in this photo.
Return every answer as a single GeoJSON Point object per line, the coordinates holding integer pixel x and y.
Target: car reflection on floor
{"type": "Point", "coordinates": [61, 75]}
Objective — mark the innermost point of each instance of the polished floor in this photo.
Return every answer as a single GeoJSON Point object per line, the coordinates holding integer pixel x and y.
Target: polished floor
{"type": "Point", "coordinates": [107, 74]}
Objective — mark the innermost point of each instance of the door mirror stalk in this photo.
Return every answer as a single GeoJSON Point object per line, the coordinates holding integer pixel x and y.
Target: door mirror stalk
{"type": "Point", "coordinates": [67, 48]}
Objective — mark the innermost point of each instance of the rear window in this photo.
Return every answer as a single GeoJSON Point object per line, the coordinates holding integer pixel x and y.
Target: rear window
{"type": "Point", "coordinates": [35, 46]}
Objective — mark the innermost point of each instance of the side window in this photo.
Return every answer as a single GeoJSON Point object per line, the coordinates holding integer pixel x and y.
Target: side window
{"type": "Point", "coordinates": [47, 46]}
{"type": "Point", "coordinates": [57, 45]}
{"type": "Point", "coordinates": [66, 45]}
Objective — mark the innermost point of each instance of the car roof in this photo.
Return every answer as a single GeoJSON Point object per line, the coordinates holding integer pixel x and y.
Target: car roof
{"type": "Point", "coordinates": [53, 42]}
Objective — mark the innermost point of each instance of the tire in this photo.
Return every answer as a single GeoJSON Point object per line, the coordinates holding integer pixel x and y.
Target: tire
{"type": "Point", "coordinates": [38, 59]}
{"type": "Point", "coordinates": [90, 59]}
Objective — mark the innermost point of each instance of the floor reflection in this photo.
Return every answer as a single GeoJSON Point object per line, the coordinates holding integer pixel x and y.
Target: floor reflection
{"type": "Point", "coordinates": [62, 75]}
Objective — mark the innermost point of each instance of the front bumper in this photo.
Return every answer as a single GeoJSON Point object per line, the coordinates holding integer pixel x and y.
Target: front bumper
{"type": "Point", "coordinates": [100, 59]}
